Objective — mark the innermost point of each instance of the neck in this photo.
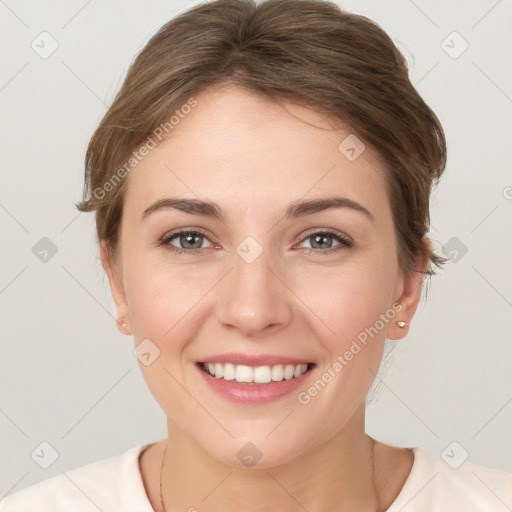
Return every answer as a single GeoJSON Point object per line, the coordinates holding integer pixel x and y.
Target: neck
{"type": "Point", "coordinates": [339, 473]}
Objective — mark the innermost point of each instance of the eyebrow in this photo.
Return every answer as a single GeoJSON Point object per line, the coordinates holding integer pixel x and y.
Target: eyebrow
{"type": "Point", "coordinates": [294, 210]}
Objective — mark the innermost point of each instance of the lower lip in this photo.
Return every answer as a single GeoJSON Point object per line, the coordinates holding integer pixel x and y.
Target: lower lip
{"type": "Point", "coordinates": [253, 393]}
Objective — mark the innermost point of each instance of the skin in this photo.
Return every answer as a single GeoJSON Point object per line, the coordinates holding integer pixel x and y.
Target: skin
{"type": "Point", "coordinates": [253, 157]}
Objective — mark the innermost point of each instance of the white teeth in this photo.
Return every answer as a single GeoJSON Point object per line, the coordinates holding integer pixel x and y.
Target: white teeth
{"type": "Point", "coordinates": [244, 373]}
{"type": "Point", "coordinates": [229, 371]}
{"type": "Point", "coordinates": [288, 371]}
{"type": "Point", "coordinates": [218, 370]}
{"type": "Point", "coordinates": [277, 372]}
{"type": "Point", "coordinates": [262, 374]}
{"type": "Point", "coordinates": [258, 374]}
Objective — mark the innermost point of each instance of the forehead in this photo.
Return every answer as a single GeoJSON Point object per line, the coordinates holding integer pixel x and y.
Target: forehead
{"type": "Point", "coordinates": [239, 146]}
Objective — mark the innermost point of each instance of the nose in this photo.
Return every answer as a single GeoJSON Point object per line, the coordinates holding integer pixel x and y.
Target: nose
{"type": "Point", "coordinates": [253, 298]}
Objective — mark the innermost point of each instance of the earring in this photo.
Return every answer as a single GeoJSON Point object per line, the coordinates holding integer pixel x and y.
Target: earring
{"type": "Point", "coordinates": [401, 324]}
{"type": "Point", "coordinates": [122, 322]}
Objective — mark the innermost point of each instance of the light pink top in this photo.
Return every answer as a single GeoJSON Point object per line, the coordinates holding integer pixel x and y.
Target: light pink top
{"type": "Point", "coordinates": [114, 484]}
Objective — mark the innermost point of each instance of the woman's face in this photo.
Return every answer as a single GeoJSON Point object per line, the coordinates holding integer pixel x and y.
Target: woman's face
{"type": "Point", "coordinates": [268, 281]}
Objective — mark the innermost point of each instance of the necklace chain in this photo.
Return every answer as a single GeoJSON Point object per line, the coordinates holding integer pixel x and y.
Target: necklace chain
{"type": "Point", "coordinates": [162, 504]}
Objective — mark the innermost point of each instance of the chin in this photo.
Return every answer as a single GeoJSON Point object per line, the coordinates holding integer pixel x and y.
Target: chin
{"type": "Point", "coordinates": [257, 449]}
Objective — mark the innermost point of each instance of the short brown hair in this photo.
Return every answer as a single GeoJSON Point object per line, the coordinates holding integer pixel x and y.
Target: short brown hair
{"type": "Point", "coordinates": [310, 52]}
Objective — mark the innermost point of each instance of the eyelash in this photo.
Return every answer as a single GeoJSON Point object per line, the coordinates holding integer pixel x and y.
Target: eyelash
{"type": "Point", "coordinates": [344, 242]}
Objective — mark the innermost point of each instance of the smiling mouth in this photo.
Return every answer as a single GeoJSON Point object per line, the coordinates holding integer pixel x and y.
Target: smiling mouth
{"type": "Point", "coordinates": [255, 375]}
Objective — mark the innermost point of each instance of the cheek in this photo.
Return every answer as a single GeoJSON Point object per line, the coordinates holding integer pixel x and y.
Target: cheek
{"type": "Point", "coordinates": [163, 299]}
{"type": "Point", "coordinates": [354, 306]}
{"type": "Point", "coordinates": [350, 300]}
{"type": "Point", "coordinates": [165, 308]}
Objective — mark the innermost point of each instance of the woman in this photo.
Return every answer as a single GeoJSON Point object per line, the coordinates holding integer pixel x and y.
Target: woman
{"type": "Point", "coordinates": [261, 186]}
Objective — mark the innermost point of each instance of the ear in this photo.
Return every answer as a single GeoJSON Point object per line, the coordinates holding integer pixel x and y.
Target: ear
{"type": "Point", "coordinates": [114, 274]}
{"type": "Point", "coordinates": [408, 294]}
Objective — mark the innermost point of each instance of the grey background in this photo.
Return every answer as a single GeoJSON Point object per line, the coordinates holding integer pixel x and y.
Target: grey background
{"type": "Point", "coordinates": [71, 380]}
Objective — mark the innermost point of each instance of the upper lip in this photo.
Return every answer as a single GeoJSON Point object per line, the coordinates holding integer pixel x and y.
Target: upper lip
{"type": "Point", "coordinates": [253, 360]}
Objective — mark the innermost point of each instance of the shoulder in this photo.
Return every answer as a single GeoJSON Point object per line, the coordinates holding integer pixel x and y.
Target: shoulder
{"type": "Point", "coordinates": [440, 485]}
{"type": "Point", "coordinates": [113, 484]}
